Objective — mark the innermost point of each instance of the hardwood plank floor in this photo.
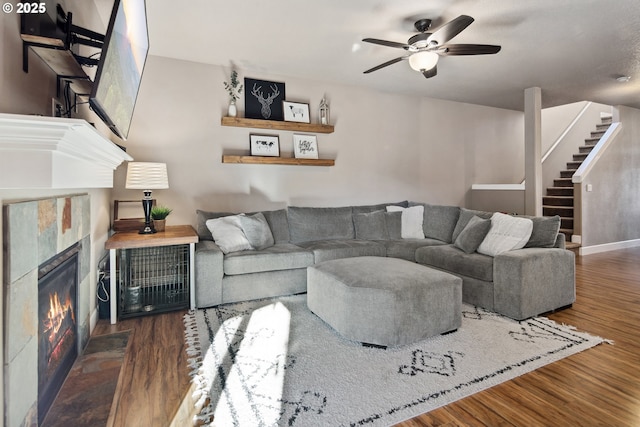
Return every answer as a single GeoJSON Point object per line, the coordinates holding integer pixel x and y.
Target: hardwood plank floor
{"type": "Point", "coordinates": [598, 387]}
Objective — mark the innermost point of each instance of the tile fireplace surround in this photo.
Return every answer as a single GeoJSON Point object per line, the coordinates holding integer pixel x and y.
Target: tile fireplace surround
{"type": "Point", "coordinates": [35, 231]}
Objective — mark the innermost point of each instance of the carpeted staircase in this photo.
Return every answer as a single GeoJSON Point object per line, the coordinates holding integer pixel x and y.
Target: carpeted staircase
{"type": "Point", "coordinates": [559, 198]}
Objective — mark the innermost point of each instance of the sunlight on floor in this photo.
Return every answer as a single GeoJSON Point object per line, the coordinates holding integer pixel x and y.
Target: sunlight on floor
{"type": "Point", "coordinates": [251, 351]}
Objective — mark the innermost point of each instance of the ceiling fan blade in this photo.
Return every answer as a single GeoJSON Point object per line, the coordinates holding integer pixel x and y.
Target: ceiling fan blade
{"type": "Point", "coordinates": [393, 61]}
{"type": "Point", "coordinates": [450, 29]}
{"type": "Point", "coordinates": [430, 73]}
{"type": "Point", "coordinates": [387, 43]}
{"type": "Point", "coordinates": [468, 49]}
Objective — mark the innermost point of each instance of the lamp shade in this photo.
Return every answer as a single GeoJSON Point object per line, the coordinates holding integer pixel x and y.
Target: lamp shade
{"type": "Point", "coordinates": [423, 61]}
{"type": "Point", "coordinates": [147, 176]}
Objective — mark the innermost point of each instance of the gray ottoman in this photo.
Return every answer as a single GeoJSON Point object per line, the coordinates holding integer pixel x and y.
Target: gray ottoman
{"type": "Point", "coordinates": [384, 301]}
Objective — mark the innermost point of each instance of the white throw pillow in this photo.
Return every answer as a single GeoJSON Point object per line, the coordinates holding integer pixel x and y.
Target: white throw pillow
{"type": "Point", "coordinates": [507, 233]}
{"type": "Point", "coordinates": [411, 226]}
{"type": "Point", "coordinates": [227, 233]}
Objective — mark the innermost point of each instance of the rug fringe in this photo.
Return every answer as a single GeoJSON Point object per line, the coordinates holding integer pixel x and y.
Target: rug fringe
{"type": "Point", "coordinates": [194, 362]}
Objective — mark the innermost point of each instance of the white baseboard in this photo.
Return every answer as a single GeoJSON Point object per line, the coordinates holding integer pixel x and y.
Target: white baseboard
{"type": "Point", "coordinates": [93, 320]}
{"type": "Point", "coordinates": [588, 250]}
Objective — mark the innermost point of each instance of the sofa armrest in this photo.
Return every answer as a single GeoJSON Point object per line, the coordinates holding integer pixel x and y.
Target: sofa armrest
{"type": "Point", "coordinates": [531, 281]}
{"type": "Point", "coordinates": [209, 271]}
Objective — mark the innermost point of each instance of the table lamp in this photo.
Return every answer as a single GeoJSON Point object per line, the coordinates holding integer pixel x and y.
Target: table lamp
{"type": "Point", "coordinates": [147, 176]}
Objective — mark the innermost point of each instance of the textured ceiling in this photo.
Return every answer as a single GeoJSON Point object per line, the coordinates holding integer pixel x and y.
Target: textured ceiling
{"type": "Point", "coordinates": [572, 49]}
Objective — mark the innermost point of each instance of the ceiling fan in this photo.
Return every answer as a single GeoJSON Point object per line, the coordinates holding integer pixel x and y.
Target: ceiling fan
{"type": "Point", "coordinates": [425, 48]}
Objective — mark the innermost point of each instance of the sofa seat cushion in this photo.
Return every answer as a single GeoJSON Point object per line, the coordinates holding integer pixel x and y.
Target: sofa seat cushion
{"type": "Point", "coordinates": [325, 250]}
{"type": "Point", "coordinates": [281, 256]}
{"type": "Point", "coordinates": [406, 248]}
{"type": "Point", "coordinates": [454, 260]}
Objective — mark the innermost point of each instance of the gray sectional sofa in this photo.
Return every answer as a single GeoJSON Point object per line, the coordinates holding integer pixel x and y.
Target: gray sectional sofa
{"type": "Point", "coordinates": [519, 283]}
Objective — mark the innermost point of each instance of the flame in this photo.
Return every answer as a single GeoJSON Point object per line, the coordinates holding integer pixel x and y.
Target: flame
{"type": "Point", "coordinates": [56, 315]}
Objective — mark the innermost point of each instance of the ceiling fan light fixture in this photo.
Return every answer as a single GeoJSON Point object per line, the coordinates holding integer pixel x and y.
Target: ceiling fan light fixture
{"type": "Point", "coordinates": [423, 61]}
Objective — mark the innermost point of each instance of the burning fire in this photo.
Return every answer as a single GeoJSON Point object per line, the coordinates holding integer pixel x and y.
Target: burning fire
{"type": "Point", "coordinates": [57, 315]}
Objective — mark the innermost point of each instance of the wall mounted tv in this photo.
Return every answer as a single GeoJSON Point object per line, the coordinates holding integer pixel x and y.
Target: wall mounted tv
{"type": "Point", "coordinates": [122, 60]}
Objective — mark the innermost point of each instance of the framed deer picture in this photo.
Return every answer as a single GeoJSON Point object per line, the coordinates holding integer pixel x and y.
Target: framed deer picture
{"type": "Point", "coordinates": [295, 112]}
{"type": "Point", "coordinates": [265, 145]}
{"type": "Point", "coordinates": [263, 99]}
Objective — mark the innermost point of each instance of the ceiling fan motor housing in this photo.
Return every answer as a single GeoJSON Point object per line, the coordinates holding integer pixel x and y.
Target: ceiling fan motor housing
{"type": "Point", "coordinates": [420, 40]}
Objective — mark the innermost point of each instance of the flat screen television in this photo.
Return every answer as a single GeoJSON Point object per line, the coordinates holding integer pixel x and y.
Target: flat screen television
{"type": "Point", "coordinates": [122, 60]}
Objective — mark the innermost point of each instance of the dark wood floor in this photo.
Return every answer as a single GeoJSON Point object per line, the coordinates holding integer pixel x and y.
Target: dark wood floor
{"type": "Point", "coordinates": [599, 387]}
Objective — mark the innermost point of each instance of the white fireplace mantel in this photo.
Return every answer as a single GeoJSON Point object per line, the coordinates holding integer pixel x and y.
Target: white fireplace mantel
{"type": "Point", "coordinates": [51, 152]}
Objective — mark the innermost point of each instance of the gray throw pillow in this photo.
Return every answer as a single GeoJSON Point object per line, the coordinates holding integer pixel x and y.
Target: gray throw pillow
{"type": "Point", "coordinates": [463, 219]}
{"type": "Point", "coordinates": [257, 230]}
{"type": "Point", "coordinates": [545, 231]}
{"type": "Point", "coordinates": [473, 234]}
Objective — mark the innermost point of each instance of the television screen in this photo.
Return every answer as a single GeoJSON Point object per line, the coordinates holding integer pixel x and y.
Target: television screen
{"type": "Point", "coordinates": [122, 60]}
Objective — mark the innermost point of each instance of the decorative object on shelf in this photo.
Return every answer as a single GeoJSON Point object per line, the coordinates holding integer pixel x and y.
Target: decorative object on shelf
{"type": "Point", "coordinates": [147, 176]}
{"type": "Point", "coordinates": [159, 216]}
{"type": "Point", "coordinates": [296, 112]}
{"type": "Point", "coordinates": [323, 112]}
{"type": "Point", "coordinates": [305, 146]}
{"type": "Point", "coordinates": [265, 145]}
{"type": "Point", "coordinates": [263, 99]}
{"type": "Point", "coordinates": [234, 89]}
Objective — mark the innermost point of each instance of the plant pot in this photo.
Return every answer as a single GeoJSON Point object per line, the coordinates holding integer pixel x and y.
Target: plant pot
{"type": "Point", "coordinates": [159, 224]}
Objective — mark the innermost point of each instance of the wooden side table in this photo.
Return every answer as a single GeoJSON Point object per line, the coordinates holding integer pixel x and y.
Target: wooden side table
{"type": "Point", "coordinates": [173, 235]}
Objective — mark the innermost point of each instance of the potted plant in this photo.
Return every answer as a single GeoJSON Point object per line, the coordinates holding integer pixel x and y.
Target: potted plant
{"type": "Point", "coordinates": [159, 215]}
{"type": "Point", "coordinates": [234, 89]}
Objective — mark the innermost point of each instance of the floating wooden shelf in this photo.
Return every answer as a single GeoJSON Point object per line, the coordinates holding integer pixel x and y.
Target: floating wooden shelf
{"type": "Point", "coordinates": [259, 160]}
{"type": "Point", "coordinates": [275, 125]}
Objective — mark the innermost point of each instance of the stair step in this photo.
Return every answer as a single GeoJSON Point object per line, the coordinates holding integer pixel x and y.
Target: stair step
{"type": "Point", "coordinates": [580, 157]}
{"type": "Point", "coordinates": [597, 134]}
{"type": "Point", "coordinates": [574, 247]}
{"type": "Point", "coordinates": [563, 211]}
{"type": "Point", "coordinates": [566, 223]}
{"type": "Point", "coordinates": [567, 232]}
{"type": "Point", "coordinates": [591, 141]}
{"type": "Point", "coordinates": [574, 165]}
{"type": "Point", "coordinates": [586, 149]}
{"type": "Point", "coordinates": [562, 182]}
{"type": "Point", "coordinates": [603, 127]}
{"type": "Point", "coordinates": [557, 201]}
{"type": "Point", "coordinates": [606, 120]}
{"type": "Point", "coordinates": [559, 191]}
{"type": "Point", "coordinates": [567, 173]}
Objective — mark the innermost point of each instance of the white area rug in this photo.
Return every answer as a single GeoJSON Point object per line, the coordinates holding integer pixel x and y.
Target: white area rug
{"type": "Point", "coordinates": [274, 363]}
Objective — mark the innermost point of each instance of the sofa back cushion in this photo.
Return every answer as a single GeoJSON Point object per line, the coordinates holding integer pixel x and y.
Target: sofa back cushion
{"type": "Point", "coordinates": [309, 224]}
{"type": "Point", "coordinates": [378, 225]}
{"type": "Point", "coordinates": [439, 221]}
{"type": "Point", "coordinates": [375, 208]}
{"type": "Point", "coordinates": [279, 225]}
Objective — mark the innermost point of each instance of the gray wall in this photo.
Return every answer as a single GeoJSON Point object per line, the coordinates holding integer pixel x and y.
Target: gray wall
{"type": "Point", "coordinates": [386, 146]}
{"type": "Point", "coordinates": [611, 212]}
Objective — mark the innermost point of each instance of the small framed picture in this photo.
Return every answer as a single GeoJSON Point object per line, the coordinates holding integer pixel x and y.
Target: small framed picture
{"type": "Point", "coordinates": [295, 112]}
{"type": "Point", "coordinates": [265, 145]}
{"type": "Point", "coordinates": [305, 146]}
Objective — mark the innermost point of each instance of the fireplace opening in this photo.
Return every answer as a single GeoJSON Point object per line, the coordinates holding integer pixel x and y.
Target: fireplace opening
{"type": "Point", "coordinates": [57, 324]}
